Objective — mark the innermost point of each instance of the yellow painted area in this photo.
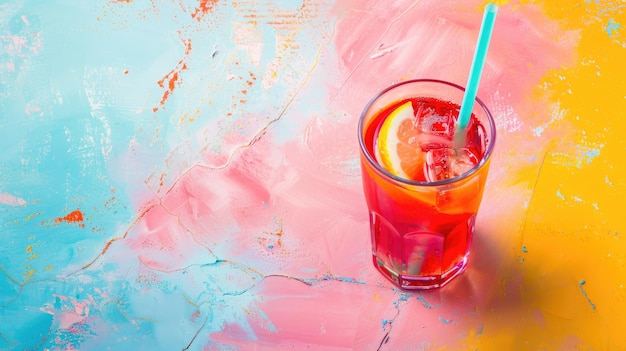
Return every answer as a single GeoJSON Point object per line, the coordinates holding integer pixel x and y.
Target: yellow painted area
{"type": "Point", "coordinates": [31, 216]}
{"type": "Point", "coordinates": [568, 287]}
{"type": "Point", "coordinates": [29, 273]}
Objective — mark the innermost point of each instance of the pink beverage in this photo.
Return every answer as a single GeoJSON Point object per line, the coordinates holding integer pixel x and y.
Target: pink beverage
{"type": "Point", "coordinates": [422, 221]}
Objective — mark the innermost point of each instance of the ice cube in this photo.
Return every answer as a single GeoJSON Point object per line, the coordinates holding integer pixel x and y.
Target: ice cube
{"type": "Point", "coordinates": [430, 122]}
{"type": "Point", "coordinates": [445, 163]}
{"type": "Point", "coordinates": [432, 141]}
{"type": "Point", "coordinates": [434, 130]}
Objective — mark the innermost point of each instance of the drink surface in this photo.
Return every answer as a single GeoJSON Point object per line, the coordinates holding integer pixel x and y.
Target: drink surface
{"type": "Point", "coordinates": [421, 235]}
{"type": "Point", "coordinates": [425, 140]}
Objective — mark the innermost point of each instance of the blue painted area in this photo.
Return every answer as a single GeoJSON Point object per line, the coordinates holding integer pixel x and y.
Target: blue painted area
{"type": "Point", "coordinates": [424, 302]}
{"type": "Point", "coordinates": [79, 133]}
{"type": "Point", "coordinates": [9, 289]}
{"type": "Point", "coordinates": [580, 284]}
{"type": "Point", "coordinates": [590, 154]}
{"type": "Point", "coordinates": [445, 321]}
{"type": "Point", "coordinates": [403, 296]}
{"type": "Point", "coordinates": [56, 154]}
{"type": "Point", "coordinates": [538, 131]}
{"type": "Point", "coordinates": [559, 195]}
{"type": "Point", "coordinates": [524, 249]}
{"type": "Point", "coordinates": [25, 328]}
{"type": "Point", "coordinates": [332, 277]}
{"type": "Point", "coordinates": [270, 326]}
{"type": "Point", "coordinates": [612, 27]}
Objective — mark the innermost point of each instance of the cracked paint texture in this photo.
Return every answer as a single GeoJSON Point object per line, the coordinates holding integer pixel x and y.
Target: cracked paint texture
{"type": "Point", "coordinates": [183, 175]}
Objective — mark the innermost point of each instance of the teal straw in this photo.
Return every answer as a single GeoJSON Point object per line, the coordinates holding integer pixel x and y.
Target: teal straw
{"type": "Point", "coordinates": [476, 70]}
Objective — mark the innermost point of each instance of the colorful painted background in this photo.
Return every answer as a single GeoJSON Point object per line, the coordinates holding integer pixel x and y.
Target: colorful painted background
{"type": "Point", "coordinates": [183, 175]}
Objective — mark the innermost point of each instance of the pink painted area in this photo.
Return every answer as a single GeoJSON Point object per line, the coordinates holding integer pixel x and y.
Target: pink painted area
{"type": "Point", "coordinates": [36, 45]}
{"type": "Point", "coordinates": [163, 243]}
{"type": "Point", "coordinates": [60, 297]}
{"type": "Point", "coordinates": [436, 40]}
{"type": "Point", "coordinates": [265, 198]}
{"type": "Point", "coordinates": [103, 294]}
{"type": "Point", "coordinates": [16, 45]}
{"type": "Point", "coordinates": [296, 316]}
{"type": "Point", "coordinates": [31, 109]}
{"type": "Point", "coordinates": [78, 312]}
{"type": "Point", "coordinates": [294, 211]}
{"type": "Point", "coordinates": [68, 319]}
{"type": "Point", "coordinates": [8, 199]}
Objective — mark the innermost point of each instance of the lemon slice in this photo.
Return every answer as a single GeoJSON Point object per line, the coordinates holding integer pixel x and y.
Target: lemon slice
{"type": "Point", "coordinates": [397, 147]}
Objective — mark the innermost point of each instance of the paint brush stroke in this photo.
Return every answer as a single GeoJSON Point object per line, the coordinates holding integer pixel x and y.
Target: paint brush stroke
{"type": "Point", "coordinates": [10, 200]}
{"type": "Point", "coordinates": [582, 289]}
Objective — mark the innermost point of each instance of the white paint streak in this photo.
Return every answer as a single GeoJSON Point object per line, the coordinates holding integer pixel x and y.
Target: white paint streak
{"type": "Point", "coordinates": [271, 75]}
{"type": "Point", "coordinates": [504, 113]}
{"type": "Point", "coordinates": [557, 114]}
{"type": "Point", "coordinates": [249, 38]}
{"type": "Point", "coordinates": [98, 97]}
{"type": "Point", "coordinates": [231, 76]}
{"type": "Point", "coordinates": [383, 50]}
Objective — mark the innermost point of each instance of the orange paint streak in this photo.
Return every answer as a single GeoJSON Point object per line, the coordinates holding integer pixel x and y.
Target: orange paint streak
{"type": "Point", "coordinates": [161, 180]}
{"type": "Point", "coordinates": [110, 242]}
{"type": "Point", "coordinates": [205, 7]}
{"type": "Point", "coordinates": [277, 236]}
{"type": "Point", "coordinates": [108, 202]}
{"type": "Point", "coordinates": [75, 216]}
{"type": "Point", "coordinates": [173, 79]}
{"type": "Point", "coordinates": [107, 245]}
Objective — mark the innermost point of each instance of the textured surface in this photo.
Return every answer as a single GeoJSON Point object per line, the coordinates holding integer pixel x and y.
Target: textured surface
{"type": "Point", "coordinates": [183, 175]}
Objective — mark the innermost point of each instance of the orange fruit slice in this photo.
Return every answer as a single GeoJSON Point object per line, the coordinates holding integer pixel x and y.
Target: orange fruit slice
{"type": "Point", "coordinates": [397, 146]}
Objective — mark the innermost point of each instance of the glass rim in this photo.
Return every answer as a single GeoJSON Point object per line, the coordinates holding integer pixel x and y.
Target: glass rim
{"type": "Point", "coordinates": [372, 161]}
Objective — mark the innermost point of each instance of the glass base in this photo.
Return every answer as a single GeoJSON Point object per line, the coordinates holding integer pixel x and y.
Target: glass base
{"type": "Point", "coordinates": [410, 282]}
